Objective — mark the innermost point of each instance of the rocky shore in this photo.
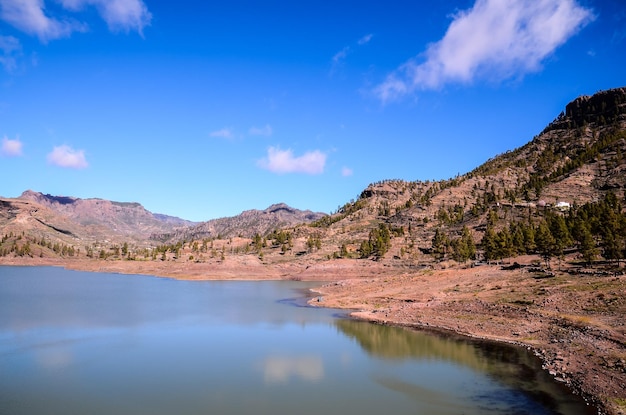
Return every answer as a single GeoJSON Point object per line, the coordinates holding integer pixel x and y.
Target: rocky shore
{"type": "Point", "coordinates": [574, 323]}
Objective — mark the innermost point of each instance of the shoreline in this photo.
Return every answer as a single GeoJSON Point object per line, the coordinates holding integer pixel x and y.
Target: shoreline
{"type": "Point", "coordinates": [586, 354]}
{"type": "Point", "coordinates": [573, 324]}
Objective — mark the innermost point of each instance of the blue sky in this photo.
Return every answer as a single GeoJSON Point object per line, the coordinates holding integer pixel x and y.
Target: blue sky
{"type": "Point", "coordinates": [205, 109]}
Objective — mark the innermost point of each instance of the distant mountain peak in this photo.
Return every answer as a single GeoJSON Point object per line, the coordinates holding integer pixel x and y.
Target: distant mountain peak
{"type": "Point", "coordinates": [47, 198]}
{"type": "Point", "coordinates": [247, 223]}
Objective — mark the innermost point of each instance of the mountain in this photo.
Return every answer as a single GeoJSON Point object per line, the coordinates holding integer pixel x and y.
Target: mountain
{"type": "Point", "coordinates": [577, 159]}
{"type": "Point", "coordinates": [246, 224]}
{"type": "Point", "coordinates": [121, 219]}
{"type": "Point", "coordinates": [79, 222]}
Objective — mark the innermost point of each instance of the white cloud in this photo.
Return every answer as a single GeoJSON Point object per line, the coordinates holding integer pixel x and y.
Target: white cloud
{"type": "Point", "coordinates": [223, 133]}
{"type": "Point", "coordinates": [365, 39]}
{"type": "Point", "coordinates": [283, 161]}
{"type": "Point", "coordinates": [65, 156]}
{"type": "Point", "coordinates": [496, 40]}
{"type": "Point", "coordinates": [11, 148]}
{"type": "Point", "coordinates": [120, 15]}
{"type": "Point", "coordinates": [29, 17]}
{"type": "Point", "coordinates": [346, 171]}
{"type": "Point", "coordinates": [265, 131]}
{"type": "Point", "coordinates": [10, 48]}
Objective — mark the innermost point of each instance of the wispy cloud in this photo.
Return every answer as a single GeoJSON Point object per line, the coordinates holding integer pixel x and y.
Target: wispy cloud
{"type": "Point", "coordinates": [11, 148]}
{"type": "Point", "coordinates": [264, 131]}
{"type": "Point", "coordinates": [120, 15]}
{"type": "Point", "coordinates": [66, 156]}
{"type": "Point", "coordinates": [10, 49]}
{"type": "Point", "coordinates": [346, 171]}
{"type": "Point", "coordinates": [339, 57]}
{"type": "Point", "coordinates": [494, 40]}
{"type": "Point", "coordinates": [283, 161]}
{"type": "Point", "coordinates": [365, 39]}
{"type": "Point", "coordinates": [223, 133]}
{"type": "Point", "coordinates": [28, 16]}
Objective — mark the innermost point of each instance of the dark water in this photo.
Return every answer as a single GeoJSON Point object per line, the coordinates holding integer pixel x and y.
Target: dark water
{"type": "Point", "coordinates": [90, 343]}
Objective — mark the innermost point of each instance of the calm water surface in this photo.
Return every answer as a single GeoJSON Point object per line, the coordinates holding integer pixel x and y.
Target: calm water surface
{"type": "Point", "coordinates": [91, 343]}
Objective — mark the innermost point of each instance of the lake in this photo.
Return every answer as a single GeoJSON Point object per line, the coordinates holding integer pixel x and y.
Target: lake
{"type": "Point", "coordinates": [93, 343]}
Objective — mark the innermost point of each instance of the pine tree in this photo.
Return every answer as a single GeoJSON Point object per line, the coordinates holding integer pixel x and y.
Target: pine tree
{"type": "Point", "coordinates": [489, 244]}
{"type": "Point", "coordinates": [545, 242]}
{"type": "Point", "coordinates": [439, 244]}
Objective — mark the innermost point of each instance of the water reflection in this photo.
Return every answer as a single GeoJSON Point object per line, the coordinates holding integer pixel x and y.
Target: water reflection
{"type": "Point", "coordinates": [512, 366]}
{"type": "Point", "coordinates": [280, 369]}
{"type": "Point", "coordinates": [76, 343]}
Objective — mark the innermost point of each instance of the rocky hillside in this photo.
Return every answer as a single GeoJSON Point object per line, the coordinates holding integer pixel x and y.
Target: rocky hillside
{"type": "Point", "coordinates": [246, 224]}
{"type": "Point", "coordinates": [96, 224]}
{"type": "Point", "coordinates": [123, 219]}
{"type": "Point", "coordinates": [577, 159]}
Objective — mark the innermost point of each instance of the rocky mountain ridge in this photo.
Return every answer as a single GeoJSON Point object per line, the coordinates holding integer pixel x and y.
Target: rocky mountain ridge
{"type": "Point", "coordinates": [74, 221]}
{"type": "Point", "coordinates": [247, 224]}
{"type": "Point", "coordinates": [124, 219]}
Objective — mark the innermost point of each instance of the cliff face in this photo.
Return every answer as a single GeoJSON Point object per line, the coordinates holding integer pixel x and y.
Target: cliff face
{"type": "Point", "coordinates": [604, 108]}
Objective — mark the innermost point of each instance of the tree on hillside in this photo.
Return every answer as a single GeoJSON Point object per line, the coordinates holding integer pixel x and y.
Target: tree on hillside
{"type": "Point", "coordinates": [560, 234]}
{"type": "Point", "coordinates": [464, 247]}
{"type": "Point", "coordinates": [586, 243]}
{"type": "Point", "coordinates": [440, 244]}
{"type": "Point", "coordinates": [378, 242]}
{"type": "Point", "coordinates": [489, 244]}
{"type": "Point", "coordinates": [545, 242]}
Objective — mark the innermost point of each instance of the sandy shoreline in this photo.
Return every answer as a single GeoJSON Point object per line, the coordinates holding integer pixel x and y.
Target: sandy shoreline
{"type": "Point", "coordinates": [575, 324]}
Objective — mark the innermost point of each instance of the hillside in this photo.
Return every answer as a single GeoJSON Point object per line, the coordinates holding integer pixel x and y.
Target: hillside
{"type": "Point", "coordinates": [246, 224]}
{"type": "Point", "coordinates": [577, 159]}
{"type": "Point", "coordinates": [63, 224]}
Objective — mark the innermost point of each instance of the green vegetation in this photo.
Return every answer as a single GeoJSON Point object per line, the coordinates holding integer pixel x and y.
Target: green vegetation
{"type": "Point", "coordinates": [591, 229]}
{"type": "Point", "coordinates": [378, 243]}
{"type": "Point", "coordinates": [25, 245]}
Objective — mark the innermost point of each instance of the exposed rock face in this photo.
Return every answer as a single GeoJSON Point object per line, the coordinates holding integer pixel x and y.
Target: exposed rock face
{"type": "Point", "coordinates": [604, 108]}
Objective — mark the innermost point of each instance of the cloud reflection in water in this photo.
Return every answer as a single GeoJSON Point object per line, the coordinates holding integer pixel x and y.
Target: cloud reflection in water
{"type": "Point", "coordinates": [279, 369]}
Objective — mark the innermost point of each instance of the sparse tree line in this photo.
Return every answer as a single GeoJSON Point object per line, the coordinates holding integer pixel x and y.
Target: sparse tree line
{"type": "Point", "coordinates": [593, 230]}
{"type": "Point", "coordinates": [546, 173]}
{"type": "Point", "coordinates": [25, 245]}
